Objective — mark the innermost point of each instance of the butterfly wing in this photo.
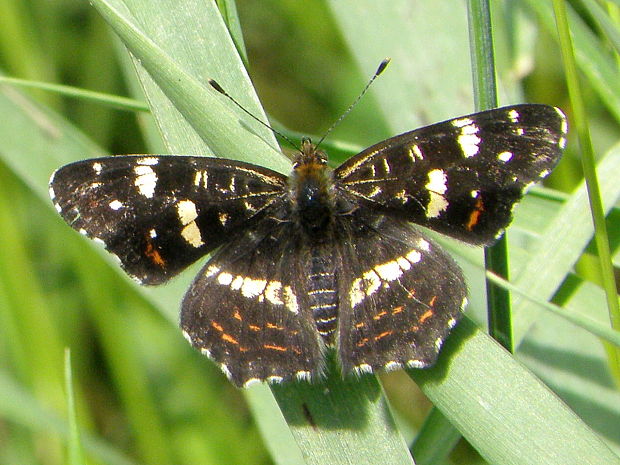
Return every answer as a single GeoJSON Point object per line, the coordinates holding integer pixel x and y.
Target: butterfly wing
{"type": "Point", "coordinates": [460, 177]}
{"type": "Point", "coordinates": [158, 214]}
{"type": "Point", "coordinates": [400, 295]}
{"type": "Point", "coordinates": [248, 308]}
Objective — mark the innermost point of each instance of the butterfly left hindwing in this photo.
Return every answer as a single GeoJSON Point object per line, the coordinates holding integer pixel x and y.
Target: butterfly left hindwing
{"type": "Point", "coordinates": [248, 308]}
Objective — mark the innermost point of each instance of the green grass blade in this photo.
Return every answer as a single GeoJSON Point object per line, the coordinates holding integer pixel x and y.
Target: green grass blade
{"type": "Point", "coordinates": [76, 456]}
{"type": "Point", "coordinates": [485, 95]}
{"type": "Point", "coordinates": [311, 440]}
{"type": "Point", "coordinates": [502, 409]}
{"type": "Point", "coordinates": [592, 183]}
{"type": "Point", "coordinates": [599, 67]}
{"type": "Point", "coordinates": [207, 112]}
{"type": "Point", "coordinates": [558, 250]}
{"type": "Point", "coordinates": [112, 101]}
{"type": "Point", "coordinates": [21, 407]}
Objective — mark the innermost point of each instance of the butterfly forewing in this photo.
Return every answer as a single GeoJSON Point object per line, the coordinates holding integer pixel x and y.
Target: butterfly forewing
{"type": "Point", "coordinates": [158, 214]}
{"type": "Point", "coordinates": [460, 177]}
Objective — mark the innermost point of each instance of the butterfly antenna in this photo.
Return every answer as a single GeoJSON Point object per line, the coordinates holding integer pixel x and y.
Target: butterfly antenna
{"type": "Point", "coordinates": [380, 69]}
{"type": "Point", "coordinates": [221, 90]}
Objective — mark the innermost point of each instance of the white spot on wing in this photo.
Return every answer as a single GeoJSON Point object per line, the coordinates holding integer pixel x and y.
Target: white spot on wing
{"type": "Point", "coordinates": [253, 287]}
{"type": "Point", "coordinates": [389, 271]}
{"type": "Point", "coordinates": [274, 379]}
{"type": "Point", "coordinates": [97, 167]}
{"type": "Point", "coordinates": [415, 364]}
{"type": "Point", "coordinates": [392, 365]}
{"type": "Point", "coordinates": [191, 233]}
{"type": "Point", "coordinates": [469, 141]}
{"type": "Point", "coordinates": [273, 292]}
{"type": "Point", "coordinates": [413, 257]}
{"type": "Point", "coordinates": [251, 382]}
{"type": "Point", "coordinates": [116, 204]}
{"type": "Point", "coordinates": [223, 217]}
{"type": "Point", "coordinates": [513, 115]}
{"type": "Point", "coordinates": [504, 156]}
{"type": "Point", "coordinates": [148, 161]}
{"type": "Point", "coordinates": [237, 283]}
{"type": "Point", "coordinates": [211, 270]}
{"type": "Point", "coordinates": [146, 180]}
{"type": "Point", "coordinates": [224, 278]}
{"type": "Point", "coordinates": [459, 123]}
{"type": "Point", "coordinates": [362, 369]}
{"type": "Point", "coordinates": [436, 186]}
{"type": "Point", "coordinates": [424, 244]}
{"type": "Point", "coordinates": [225, 370]}
{"type": "Point", "coordinates": [186, 209]}
{"type": "Point", "coordinates": [290, 299]}
{"type": "Point", "coordinates": [303, 375]}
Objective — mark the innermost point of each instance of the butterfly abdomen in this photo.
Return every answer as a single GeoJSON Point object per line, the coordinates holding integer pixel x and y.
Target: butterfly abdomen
{"type": "Point", "coordinates": [323, 294]}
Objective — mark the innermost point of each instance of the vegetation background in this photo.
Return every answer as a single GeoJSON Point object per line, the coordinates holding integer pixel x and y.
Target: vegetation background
{"type": "Point", "coordinates": [142, 395]}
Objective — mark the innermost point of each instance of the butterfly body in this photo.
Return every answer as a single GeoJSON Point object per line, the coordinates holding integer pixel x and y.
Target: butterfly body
{"type": "Point", "coordinates": [324, 259]}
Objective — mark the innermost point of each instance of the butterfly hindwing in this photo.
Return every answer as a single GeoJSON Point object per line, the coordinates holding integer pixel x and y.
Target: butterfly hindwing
{"type": "Point", "coordinates": [399, 298]}
{"type": "Point", "coordinates": [460, 177]}
{"type": "Point", "coordinates": [248, 308]}
{"type": "Point", "coordinates": [158, 214]}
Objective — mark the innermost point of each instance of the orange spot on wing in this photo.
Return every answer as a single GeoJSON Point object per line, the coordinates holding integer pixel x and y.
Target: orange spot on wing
{"type": "Point", "coordinates": [272, 347]}
{"type": "Point", "coordinates": [154, 255]}
{"type": "Point", "coordinates": [273, 326]}
{"type": "Point", "coordinates": [382, 335]}
{"type": "Point", "coordinates": [426, 315]}
{"type": "Point", "coordinates": [379, 315]}
{"type": "Point", "coordinates": [217, 326]}
{"type": "Point", "coordinates": [359, 325]}
{"type": "Point", "coordinates": [229, 338]}
{"type": "Point", "coordinates": [398, 309]}
{"type": "Point", "coordinates": [237, 315]}
{"type": "Point", "coordinates": [474, 216]}
{"type": "Point", "coordinates": [254, 327]}
{"type": "Point", "coordinates": [362, 342]}
{"type": "Point", "coordinates": [433, 300]}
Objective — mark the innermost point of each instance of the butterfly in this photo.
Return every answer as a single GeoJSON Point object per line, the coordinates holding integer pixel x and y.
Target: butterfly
{"type": "Point", "coordinates": [324, 259]}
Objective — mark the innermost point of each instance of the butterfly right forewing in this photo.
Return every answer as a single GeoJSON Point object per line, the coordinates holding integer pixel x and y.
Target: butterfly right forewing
{"type": "Point", "coordinates": [460, 177]}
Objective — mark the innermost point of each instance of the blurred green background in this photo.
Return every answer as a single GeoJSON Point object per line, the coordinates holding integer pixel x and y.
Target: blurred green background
{"type": "Point", "coordinates": [140, 389]}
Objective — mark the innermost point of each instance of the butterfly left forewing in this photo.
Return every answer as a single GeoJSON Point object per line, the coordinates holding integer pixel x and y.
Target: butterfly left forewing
{"type": "Point", "coordinates": [460, 177]}
{"type": "Point", "coordinates": [158, 214]}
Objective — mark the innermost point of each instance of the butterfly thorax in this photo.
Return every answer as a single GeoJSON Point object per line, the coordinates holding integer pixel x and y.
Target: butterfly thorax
{"type": "Point", "coordinates": [311, 192]}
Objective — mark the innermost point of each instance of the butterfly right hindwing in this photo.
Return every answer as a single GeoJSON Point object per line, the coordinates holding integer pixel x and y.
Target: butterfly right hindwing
{"type": "Point", "coordinates": [158, 214]}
